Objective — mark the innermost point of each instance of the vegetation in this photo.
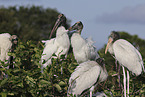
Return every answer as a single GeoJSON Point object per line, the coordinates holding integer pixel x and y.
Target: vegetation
{"type": "Point", "coordinates": [26, 79]}
{"type": "Point", "coordinates": [137, 83]}
{"type": "Point", "coordinates": [28, 23]}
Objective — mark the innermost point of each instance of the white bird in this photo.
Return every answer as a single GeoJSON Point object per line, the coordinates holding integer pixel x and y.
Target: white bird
{"type": "Point", "coordinates": [83, 49]}
{"type": "Point", "coordinates": [86, 76]}
{"type": "Point", "coordinates": [59, 45]}
{"type": "Point", "coordinates": [7, 44]}
{"type": "Point", "coordinates": [126, 54]}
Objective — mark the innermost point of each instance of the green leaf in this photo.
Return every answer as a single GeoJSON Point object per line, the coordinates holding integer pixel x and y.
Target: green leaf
{"type": "Point", "coordinates": [62, 57]}
{"type": "Point", "coordinates": [16, 70]}
{"type": "Point", "coordinates": [3, 82]}
{"type": "Point", "coordinates": [3, 94]}
{"type": "Point", "coordinates": [30, 80]}
{"type": "Point", "coordinates": [58, 87]}
{"type": "Point", "coordinates": [45, 82]}
{"type": "Point", "coordinates": [2, 69]}
{"type": "Point", "coordinates": [11, 94]}
{"type": "Point", "coordinates": [20, 85]}
{"type": "Point", "coordinates": [61, 83]}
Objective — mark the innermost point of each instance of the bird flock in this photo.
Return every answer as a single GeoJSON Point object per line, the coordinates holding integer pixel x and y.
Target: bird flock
{"type": "Point", "coordinates": [91, 68]}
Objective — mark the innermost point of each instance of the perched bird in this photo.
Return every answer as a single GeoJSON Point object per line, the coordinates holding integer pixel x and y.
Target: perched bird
{"type": "Point", "coordinates": [58, 45]}
{"type": "Point", "coordinates": [86, 76]}
{"type": "Point", "coordinates": [83, 49]}
{"type": "Point", "coordinates": [126, 54]}
{"type": "Point", "coordinates": [7, 44]}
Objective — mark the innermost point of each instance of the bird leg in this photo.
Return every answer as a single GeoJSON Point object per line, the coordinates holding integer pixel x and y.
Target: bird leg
{"type": "Point", "coordinates": [127, 83]}
{"type": "Point", "coordinates": [124, 81]}
{"type": "Point", "coordinates": [120, 85]}
{"type": "Point", "coordinates": [91, 90]}
{"type": "Point", "coordinates": [118, 73]}
{"type": "Point", "coordinates": [116, 65]}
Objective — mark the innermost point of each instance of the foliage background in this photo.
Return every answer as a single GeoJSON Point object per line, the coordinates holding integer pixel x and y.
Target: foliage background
{"type": "Point", "coordinates": [31, 25]}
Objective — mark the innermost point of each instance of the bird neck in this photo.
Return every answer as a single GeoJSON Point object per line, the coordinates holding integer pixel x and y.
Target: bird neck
{"type": "Point", "coordinates": [110, 48]}
{"type": "Point", "coordinates": [61, 30]}
{"type": "Point", "coordinates": [13, 47]}
{"type": "Point", "coordinates": [104, 68]}
{"type": "Point", "coordinates": [79, 31]}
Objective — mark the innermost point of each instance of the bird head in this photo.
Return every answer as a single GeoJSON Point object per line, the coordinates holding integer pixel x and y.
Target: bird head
{"type": "Point", "coordinates": [78, 26]}
{"type": "Point", "coordinates": [112, 38]}
{"type": "Point", "coordinates": [100, 61]}
{"type": "Point", "coordinates": [61, 20]}
{"type": "Point", "coordinates": [14, 39]}
{"type": "Point", "coordinates": [114, 35]}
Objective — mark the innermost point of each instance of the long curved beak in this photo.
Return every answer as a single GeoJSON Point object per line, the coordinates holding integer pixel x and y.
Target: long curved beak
{"type": "Point", "coordinates": [75, 26]}
{"type": "Point", "coordinates": [109, 41]}
{"type": "Point", "coordinates": [56, 25]}
{"type": "Point", "coordinates": [78, 26]}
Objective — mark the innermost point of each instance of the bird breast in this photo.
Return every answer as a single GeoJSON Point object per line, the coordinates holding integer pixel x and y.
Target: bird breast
{"type": "Point", "coordinates": [5, 42]}
{"type": "Point", "coordinates": [63, 40]}
{"type": "Point", "coordinates": [77, 41]}
{"type": "Point", "coordinates": [110, 49]}
{"type": "Point", "coordinates": [60, 31]}
{"type": "Point", "coordinates": [128, 56]}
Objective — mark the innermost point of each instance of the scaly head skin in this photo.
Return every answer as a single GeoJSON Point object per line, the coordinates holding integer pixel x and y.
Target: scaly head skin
{"type": "Point", "coordinates": [112, 38]}
{"type": "Point", "coordinates": [78, 26]}
{"type": "Point", "coordinates": [61, 20]}
{"type": "Point", "coordinates": [14, 39]}
{"type": "Point", "coordinates": [114, 35]}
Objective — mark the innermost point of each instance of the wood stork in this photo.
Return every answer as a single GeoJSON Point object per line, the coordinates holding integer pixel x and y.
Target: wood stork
{"type": "Point", "coordinates": [59, 45]}
{"type": "Point", "coordinates": [83, 49]}
{"type": "Point", "coordinates": [86, 76]}
{"type": "Point", "coordinates": [7, 44]}
{"type": "Point", "coordinates": [126, 54]}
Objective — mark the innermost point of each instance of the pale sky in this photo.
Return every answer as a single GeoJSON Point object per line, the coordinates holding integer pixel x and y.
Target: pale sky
{"type": "Point", "coordinates": [99, 17]}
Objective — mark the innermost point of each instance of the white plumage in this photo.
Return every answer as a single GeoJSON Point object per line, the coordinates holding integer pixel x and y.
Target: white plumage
{"type": "Point", "coordinates": [5, 46]}
{"type": "Point", "coordinates": [59, 45]}
{"type": "Point", "coordinates": [49, 49]}
{"type": "Point", "coordinates": [128, 56]}
{"type": "Point", "coordinates": [83, 49]}
{"type": "Point", "coordinates": [125, 53]}
{"type": "Point", "coordinates": [86, 75]}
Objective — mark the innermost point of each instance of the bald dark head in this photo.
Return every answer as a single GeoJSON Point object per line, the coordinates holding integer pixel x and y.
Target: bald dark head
{"type": "Point", "coordinates": [115, 35]}
{"type": "Point", "coordinates": [14, 39]}
{"type": "Point", "coordinates": [100, 61]}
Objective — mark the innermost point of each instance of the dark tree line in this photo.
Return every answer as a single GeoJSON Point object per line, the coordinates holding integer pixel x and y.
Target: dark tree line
{"type": "Point", "coordinates": [28, 23]}
{"type": "Point", "coordinates": [32, 24]}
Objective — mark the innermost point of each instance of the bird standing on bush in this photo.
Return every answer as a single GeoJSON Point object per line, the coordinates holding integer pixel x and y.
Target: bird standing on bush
{"type": "Point", "coordinates": [127, 55]}
{"type": "Point", "coordinates": [86, 76]}
{"type": "Point", "coordinates": [83, 49]}
{"type": "Point", "coordinates": [7, 44]}
{"type": "Point", "coordinates": [58, 45]}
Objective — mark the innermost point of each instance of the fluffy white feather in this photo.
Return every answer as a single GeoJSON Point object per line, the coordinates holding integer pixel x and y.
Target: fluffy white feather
{"type": "Point", "coordinates": [83, 49]}
{"type": "Point", "coordinates": [85, 76]}
{"type": "Point", "coordinates": [128, 56]}
{"type": "Point", "coordinates": [5, 45]}
{"type": "Point", "coordinates": [56, 45]}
